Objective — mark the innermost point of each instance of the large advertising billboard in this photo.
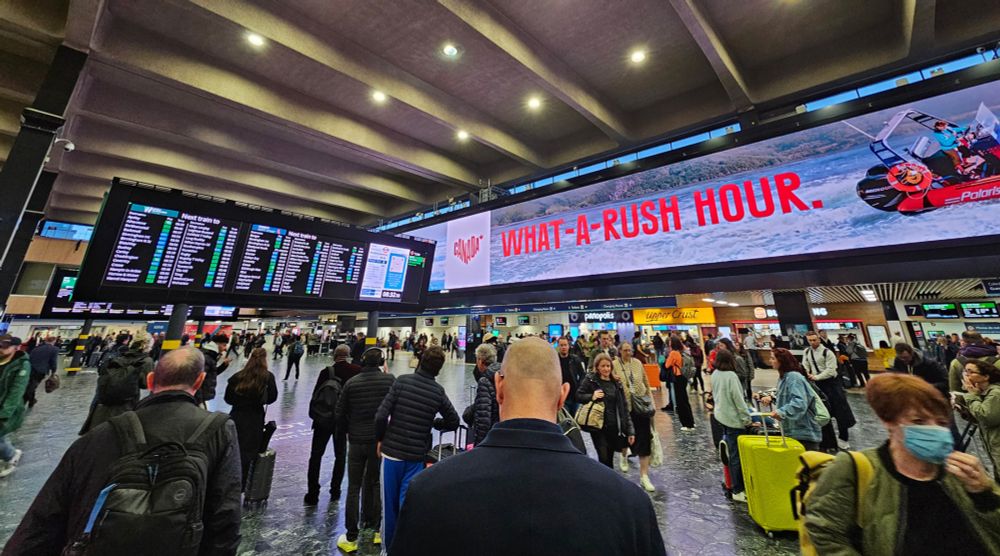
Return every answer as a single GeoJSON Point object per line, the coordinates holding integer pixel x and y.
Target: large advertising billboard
{"type": "Point", "coordinates": [921, 172]}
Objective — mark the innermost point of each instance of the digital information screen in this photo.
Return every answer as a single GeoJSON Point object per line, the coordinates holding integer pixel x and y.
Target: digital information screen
{"type": "Point", "coordinates": [162, 245]}
{"type": "Point", "coordinates": [66, 230]}
{"type": "Point", "coordinates": [60, 303]}
{"type": "Point", "coordinates": [980, 310]}
{"type": "Point", "coordinates": [940, 311]}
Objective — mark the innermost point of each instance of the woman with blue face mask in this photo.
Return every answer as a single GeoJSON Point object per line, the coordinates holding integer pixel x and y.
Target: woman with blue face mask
{"type": "Point", "coordinates": [924, 498]}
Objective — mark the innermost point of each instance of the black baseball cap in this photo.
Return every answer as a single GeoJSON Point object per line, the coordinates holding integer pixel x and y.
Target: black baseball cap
{"type": "Point", "coordinates": [7, 340]}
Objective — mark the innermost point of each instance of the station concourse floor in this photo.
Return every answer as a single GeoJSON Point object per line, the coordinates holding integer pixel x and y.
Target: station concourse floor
{"type": "Point", "coordinates": [695, 516]}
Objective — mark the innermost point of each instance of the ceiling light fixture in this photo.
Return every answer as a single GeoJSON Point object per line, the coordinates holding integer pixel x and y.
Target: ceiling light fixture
{"type": "Point", "coordinates": [638, 56]}
{"type": "Point", "coordinates": [721, 302]}
{"type": "Point", "coordinates": [733, 304]}
{"type": "Point", "coordinates": [255, 39]}
{"type": "Point", "coordinates": [449, 50]}
{"type": "Point", "coordinates": [708, 300]}
{"type": "Point", "coordinates": [462, 135]}
{"type": "Point", "coordinates": [379, 96]}
{"type": "Point", "coordinates": [534, 103]}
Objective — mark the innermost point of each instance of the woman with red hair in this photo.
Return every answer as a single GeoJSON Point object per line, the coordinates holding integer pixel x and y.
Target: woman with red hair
{"type": "Point", "coordinates": [795, 401]}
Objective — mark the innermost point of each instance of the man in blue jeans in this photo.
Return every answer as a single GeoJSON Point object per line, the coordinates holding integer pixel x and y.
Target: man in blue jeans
{"type": "Point", "coordinates": [403, 425]}
{"type": "Point", "coordinates": [15, 372]}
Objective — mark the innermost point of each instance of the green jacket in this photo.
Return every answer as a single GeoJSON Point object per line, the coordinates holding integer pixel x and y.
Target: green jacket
{"type": "Point", "coordinates": [13, 382]}
{"type": "Point", "coordinates": [831, 523]}
{"type": "Point", "coordinates": [986, 410]}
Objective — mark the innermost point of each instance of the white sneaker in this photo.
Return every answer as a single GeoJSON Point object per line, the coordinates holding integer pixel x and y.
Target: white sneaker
{"type": "Point", "coordinates": [843, 444]}
{"type": "Point", "coordinates": [687, 429]}
{"type": "Point", "coordinates": [623, 464]}
{"type": "Point", "coordinates": [11, 465]}
{"type": "Point", "coordinates": [647, 484]}
{"type": "Point", "coordinates": [740, 497]}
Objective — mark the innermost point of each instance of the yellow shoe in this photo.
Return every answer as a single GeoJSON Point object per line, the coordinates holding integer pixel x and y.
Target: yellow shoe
{"type": "Point", "coordinates": [378, 538]}
{"type": "Point", "coordinates": [346, 545]}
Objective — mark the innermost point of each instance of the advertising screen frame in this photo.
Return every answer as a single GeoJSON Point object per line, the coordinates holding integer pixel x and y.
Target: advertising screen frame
{"type": "Point", "coordinates": [879, 263]}
{"type": "Point", "coordinates": [91, 285]}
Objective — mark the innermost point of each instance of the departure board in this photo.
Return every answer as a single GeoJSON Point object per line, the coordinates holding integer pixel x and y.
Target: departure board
{"type": "Point", "coordinates": [154, 245]}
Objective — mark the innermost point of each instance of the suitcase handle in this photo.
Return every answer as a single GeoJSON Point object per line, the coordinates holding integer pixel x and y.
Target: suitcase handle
{"type": "Point", "coordinates": [456, 443]}
{"type": "Point", "coordinates": [763, 423]}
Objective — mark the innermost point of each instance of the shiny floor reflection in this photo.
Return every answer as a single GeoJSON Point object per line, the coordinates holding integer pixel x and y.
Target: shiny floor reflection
{"type": "Point", "coordinates": [695, 517]}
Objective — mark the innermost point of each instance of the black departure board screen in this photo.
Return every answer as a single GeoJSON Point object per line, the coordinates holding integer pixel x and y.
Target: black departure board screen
{"type": "Point", "coordinates": [157, 245]}
{"type": "Point", "coordinates": [980, 310]}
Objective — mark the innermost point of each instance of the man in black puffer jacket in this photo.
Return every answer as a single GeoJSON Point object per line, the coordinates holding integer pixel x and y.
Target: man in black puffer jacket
{"type": "Point", "coordinates": [413, 402]}
{"type": "Point", "coordinates": [356, 407]}
{"type": "Point", "coordinates": [486, 412]}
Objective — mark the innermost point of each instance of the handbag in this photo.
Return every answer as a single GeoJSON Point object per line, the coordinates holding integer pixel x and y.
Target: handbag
{"type": "Point", "coordinates": [590, 416]}
{"type": "Point", "coordinates": [414, 362]}
{"type": "Point", "coordinates": [51, 383]}
{"type": "Point", "coordinates": [641, 405]}
{"type": "Point", "coordinates": [818, 408]}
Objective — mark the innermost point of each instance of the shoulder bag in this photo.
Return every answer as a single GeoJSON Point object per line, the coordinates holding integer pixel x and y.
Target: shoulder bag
{"type": "Point", "coordinates": [590, 416]}
{"type": "Point", "coordinates": [641, 405]}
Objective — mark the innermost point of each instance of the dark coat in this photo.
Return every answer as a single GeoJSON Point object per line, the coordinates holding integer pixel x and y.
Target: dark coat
{"type": "Point", "coordinates": [248, 413]}
{"type": "Point", "coordinates": [212, 371]}
{"type": "Point", "coordinates": [566, 502]}
{"type": "Point", "coordinates": [60, 511]}
{"type": "Point", "coordinates": [102, 410]}
{"type": "Point", "coordinates": [359, 400]}
{"type": "Point", "coordinates": [486, 412]}
{"type": "Point", "coordinates": [413, 402]}
{"type": "Point", "coordinates": [573, 371]}
{"type": "Point", "coordinates": [44, 359]}
{"type": "Point", "coordinates": [586, 392]}
{"type": "Point", "coordinates": [928, 369]}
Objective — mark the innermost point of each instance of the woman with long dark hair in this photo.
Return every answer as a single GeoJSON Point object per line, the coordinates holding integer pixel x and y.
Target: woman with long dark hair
{"type": "Point", "coordinates": [249, 392]}
{"type": "Point", "coordinates": [674, 365]}
{"type": "Point", "coordinates": [794, 403]}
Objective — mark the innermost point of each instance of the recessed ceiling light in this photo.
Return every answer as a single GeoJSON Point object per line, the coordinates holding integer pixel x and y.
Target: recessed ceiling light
{"type": "Point", "coordinates": [255, 39]}
{"type": "Point", "coordinates": [379, 96]}
{"type": "Point", "coordinates": [534, 103]}
{"type": "Point", "coordinates": [734, 304]}
{"type": "Point", "coordinates": [721, 302]}
{"type": "Point", "coordinates": [462, 135]}
{"type": "Point", "coordinates": [708, 300]}
{"type": "Point", "coordinates": [637, 56]}
{"type": "Point", "coordinates": [449, 50]}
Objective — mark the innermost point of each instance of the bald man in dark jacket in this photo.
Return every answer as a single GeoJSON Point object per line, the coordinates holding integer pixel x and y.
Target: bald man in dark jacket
{"type": "Point", "coordinates": [529, 476]}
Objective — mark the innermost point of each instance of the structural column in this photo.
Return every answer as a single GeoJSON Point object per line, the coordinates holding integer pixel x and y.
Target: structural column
{"type": "Point", "coordinates": [371, 337]}
{"type": "Point", "coordinates": [199, 334]}
{"type": "Point", "coordinates": [794, 314]}
{"type": "Point", "coordinates": [175, 328]}
{"type": "Point", "coordinates": [80, 350]}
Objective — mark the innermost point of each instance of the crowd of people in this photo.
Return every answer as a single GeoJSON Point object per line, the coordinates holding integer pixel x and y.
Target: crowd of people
{"type": "Point", "coordinates": [519, 453]}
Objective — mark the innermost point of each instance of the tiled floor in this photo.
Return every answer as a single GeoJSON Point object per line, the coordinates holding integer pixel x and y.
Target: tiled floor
{"type": "Point", "coordinates": [695, 517]}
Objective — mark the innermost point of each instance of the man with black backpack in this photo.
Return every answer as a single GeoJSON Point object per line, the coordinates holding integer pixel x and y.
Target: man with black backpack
{"type": "Point", "coordinates": [168, 450]}
{"type": "Point", "coordinates": [356, 409]}
{"type": "Point", "coordinates": [295, 352]}
{"type": "Point", "coordinates": [322, 410]}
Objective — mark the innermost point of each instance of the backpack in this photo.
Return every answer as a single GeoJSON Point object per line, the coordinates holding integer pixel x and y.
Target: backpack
{"type": "Point", "coordinates": [687, 367]}
{"type": "Point", "coordinates": [813, 464]}
{"type": "Point", "coordinates": [297, 349]}
{"type": "Point", "coordinates": [323, 405]}
{"type": "Point", "coordinates": [817, 406]}
{"type": "Point", "coordinates": [155, 496]}
{"type": "Point", "coordinates": [571, 430]}
{"type": "Point", "coordinates": [120, 382]}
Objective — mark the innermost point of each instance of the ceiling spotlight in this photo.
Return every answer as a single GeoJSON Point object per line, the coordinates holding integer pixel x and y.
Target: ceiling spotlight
{"type": "Point", "coordinates": [255, 39]}
{"type": "Point", "coordinates": [721, 302]}
{"type": "Point", "coordinates": [708, 300]}
{"type": "Point", "coordinates": [449, 50]}
{"type": "Point", "coordinates": [733, 304]}
{"type": "Point", "coordinates": [534, 103]}
{"type": "Point", "coordinates": [379, 96]}
{"type": "Point", "coordinates": [638, 56]}
{"type": "Point", "coordinates": [462, 135]}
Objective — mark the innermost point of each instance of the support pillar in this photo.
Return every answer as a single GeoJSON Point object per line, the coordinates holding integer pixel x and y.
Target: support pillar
{"type": "Point", "coordinates": [76, 363]}
{"type": "Point", "coordinates": [371, 337]}
{"type": "Point", "coordinates": [473, 337]}
{"type": "Point", "coordinates": [199, 334]}
{"type": "Point", "coordinates": [175, 328]}
{"type": "Point", "coordinates": [794, 314]}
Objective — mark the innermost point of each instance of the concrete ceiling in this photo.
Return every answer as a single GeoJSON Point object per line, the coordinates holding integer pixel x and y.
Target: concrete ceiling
{"type": "Point", "coordinates": [173, 93]}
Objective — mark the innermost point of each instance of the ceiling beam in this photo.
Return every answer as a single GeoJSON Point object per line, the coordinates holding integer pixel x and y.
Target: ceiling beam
{"type": "Point", "coordinates": [918, 26]}
{"type": "Point", "coordinates": [314, 41]}
{"type": "Point", "coordinates": [70, 215]}
{"type": "Point", "coordinates": [162, 120]}
{"type": "Point", "coordinates": [102, 167]}
{"type": "Point", "coordinates": [552, 74]}
{"type": "Point", "coordinates": [174, 65]}
{"type": "Point", "coordinates": [718, 56]}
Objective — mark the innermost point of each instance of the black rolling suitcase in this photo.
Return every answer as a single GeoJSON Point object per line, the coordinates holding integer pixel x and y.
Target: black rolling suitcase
{"type": "Point", "coordinates": [95, 359]}
{"type": "Point", "coordinates": [445, 450]}
{"type": "Point", "coordinates": [258, 486]}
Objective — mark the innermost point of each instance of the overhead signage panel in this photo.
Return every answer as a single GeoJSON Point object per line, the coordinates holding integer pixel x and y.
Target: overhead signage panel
{"type": "Point", "coordinates": [882, 180]}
